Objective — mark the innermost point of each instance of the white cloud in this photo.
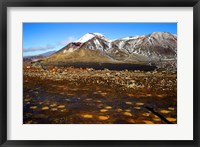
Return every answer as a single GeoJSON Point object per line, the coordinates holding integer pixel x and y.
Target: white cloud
{"type": "Point", "coordinates": [38, 48]}
{"type": "Point", "coordinates": [68, 40]}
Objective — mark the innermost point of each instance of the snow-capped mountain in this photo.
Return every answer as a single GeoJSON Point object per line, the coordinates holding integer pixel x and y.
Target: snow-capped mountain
{"type": "Point", "coordinates": [155, 46]}
{"type": "Point", "coordinates": [95, 47]}
{"type": "Point", "coordinates": [89, 36]}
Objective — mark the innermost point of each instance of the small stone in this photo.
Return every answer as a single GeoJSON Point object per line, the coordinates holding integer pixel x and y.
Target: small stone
{"type": "Point", "coordinates": [54, 109]}
{"type": "Point", "coordinates": [160, 96]}
{"type": "Point", "coordinates": [156, 119]}
{"type": "Point", "coordinates": [100, 105]}
{"type": "Point", "coordinates": [140, 104]}
{"type": "Point", "coordinates": [87, 116]}
{"type": "Point", "coordinates": [119, 110]}
{"type": "Point", "coordinates": [171, 108]}
{"type": "Point", "coordinates": [171, 119]}
{"type": "Point", "coordinates": [127, 114]}
{"type": "Point", "coordinates": [103, 117]}
{"type": "Point", "coordinates": [130, 120]}
{"type": "Point", "coordinates": [164, 111]}
{"type": "Point", "coordinates": [129, 94]}
{"type": "Point", "coordinates": [27, 99]}
{"type": "Point", "coordinates": [63, 110]}
{"type": "Point", "coordinates": [89, 99]}
{"type": "Point", "coordinates": [45, 108]}
{"type": "Point", "coordinates": [128, 103]}
{"type": "Point", "coordinates": [149, 95]}
{"type": "Point", "coordinates": [52, 105]}
{"type": "Point", "coordinates": [61, 106]}
{"type": "Point", "coordinates": [156, 116]}
{"type": "Point", "coordinates": [103, 110]}
{"type": "Point", "coordinates": [108, 107]}
{"type": "Point", "coordinates": [128, 110]}
{"type": "Point", "coordinates": [103, 93]}
{"type": "Point", "coordinates": [146, 114]}
{"type": "Point", "coordinates": [29, 122]}
{"type": "Point", "coordinates": [148, 122]}
{"type": "Point", "coordinates": [137, 108]}
{"type": "Point", "coordinates": [33, 107]}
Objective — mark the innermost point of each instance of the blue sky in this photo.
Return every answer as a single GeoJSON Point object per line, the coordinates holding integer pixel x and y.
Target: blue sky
{"type": "Point", "coordinates": [39, 38]}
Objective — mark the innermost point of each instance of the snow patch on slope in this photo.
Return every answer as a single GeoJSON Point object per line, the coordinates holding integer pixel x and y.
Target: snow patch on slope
{"type": "Point", "coordinates": [132, 37]}
{"type": "Point", "coordinates": [70, 50]}
{"type": "Point", "coordinates": [98, 44]}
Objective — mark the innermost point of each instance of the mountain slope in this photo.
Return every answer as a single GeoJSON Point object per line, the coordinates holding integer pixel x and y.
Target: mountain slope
{"type": "Point", "coordinates": [155, 46]}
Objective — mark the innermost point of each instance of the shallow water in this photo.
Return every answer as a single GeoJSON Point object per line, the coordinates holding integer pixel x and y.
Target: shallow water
{"type": "Point", "coordinates": [48, 101]}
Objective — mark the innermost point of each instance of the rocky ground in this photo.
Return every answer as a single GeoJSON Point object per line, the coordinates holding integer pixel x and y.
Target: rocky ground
{"type": "Point", "coordinates": [58, 95]}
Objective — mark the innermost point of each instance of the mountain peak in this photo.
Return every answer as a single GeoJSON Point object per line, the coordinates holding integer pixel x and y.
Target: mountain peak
{"type": "Point", "coordinates": [160, 34]}
{"type": "Point", "coordinates": [89, 36]}
{"type": "Point", "coordinates": [98, 34]}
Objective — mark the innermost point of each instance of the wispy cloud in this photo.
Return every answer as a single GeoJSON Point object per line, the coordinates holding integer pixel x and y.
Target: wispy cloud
{"type": "Point", "coordinates": [48, 46]}
{"type": "Point", "coordinates": [68, 40]}
{"type": "Point", "coordinates": [38, 48]}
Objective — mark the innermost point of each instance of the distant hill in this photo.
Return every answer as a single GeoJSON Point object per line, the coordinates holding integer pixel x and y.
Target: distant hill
{"type": "Point", "coordinates": [47, 53]}
{"type": "Point", "coordinates": [37, 57]}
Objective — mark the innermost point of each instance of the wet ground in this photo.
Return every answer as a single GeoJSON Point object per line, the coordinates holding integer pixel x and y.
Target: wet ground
{"type": "Point", "coordinates": [86, 96]}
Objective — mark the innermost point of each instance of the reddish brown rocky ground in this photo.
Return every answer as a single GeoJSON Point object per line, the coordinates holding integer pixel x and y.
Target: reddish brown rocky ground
{"type": "Point", "coordinates": [87, 96]}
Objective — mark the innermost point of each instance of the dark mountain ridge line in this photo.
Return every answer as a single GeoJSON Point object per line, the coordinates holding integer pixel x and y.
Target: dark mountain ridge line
{"type": "Point", "coordinates": [104, 66]}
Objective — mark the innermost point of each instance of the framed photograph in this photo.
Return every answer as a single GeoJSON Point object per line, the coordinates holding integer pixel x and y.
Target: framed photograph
{"type": "Point", "coordinates": [88, 73]}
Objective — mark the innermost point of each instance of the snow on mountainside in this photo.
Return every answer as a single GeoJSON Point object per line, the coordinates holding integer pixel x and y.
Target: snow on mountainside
{"type": "Point", "coordinates": [95, 47]}
{"type": "Point", "coordinates": [89, 36]}
{"type": "Point", "coordinates": [155, 46]}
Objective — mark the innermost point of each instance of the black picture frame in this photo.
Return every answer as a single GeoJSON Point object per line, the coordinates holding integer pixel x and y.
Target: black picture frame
{"type": "Point", "coordinates": [4, 4]}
